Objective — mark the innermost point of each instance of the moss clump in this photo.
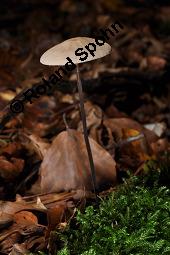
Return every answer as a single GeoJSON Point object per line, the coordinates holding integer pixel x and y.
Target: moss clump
{"type": "Point", "coordinates": [134, 220]}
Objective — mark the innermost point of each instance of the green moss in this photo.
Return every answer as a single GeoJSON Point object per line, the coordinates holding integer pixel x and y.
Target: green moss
{"type": "Point", "coordinates": [135, 220]}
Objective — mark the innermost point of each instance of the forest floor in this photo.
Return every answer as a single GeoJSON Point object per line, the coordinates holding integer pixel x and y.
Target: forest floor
{"type": "Point", "coordinates": [44, 169]}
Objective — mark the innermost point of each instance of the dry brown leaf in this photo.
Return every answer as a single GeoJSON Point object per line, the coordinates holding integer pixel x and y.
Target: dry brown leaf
{"type": "Point", "coordinates": [139, 148]}
{"type": "Point", "coordinates": [118, 124]}
{"type": "Point", "coordinates": [12, 149]}
{"type": "Point", "coordinates": [93, 116]}
{"type": "Point", "coordinates": [112, 112]}
{"type": "Point", "coordinates": [111, 132]}
{"type": "Point", "coordinates": [160, 146]}
{"type": "Point", "coordinates": [25, 218]}
{"type": "Point", "coordinates": [29, 235]}
{"type": "Point", "coordinates": [153, 63]}
{"type": "Point", "coordinates": [9, 170]}
{"type": "Point", "coordinates": [157, 128]}
{"type": "Point", "coordinates": [55, 216]}
{"type": "Point", "coordinates": [35, 144]}
{"type": "Point", "coordinates": [11, 208]}
{"type": "Point", "coordinates": [18, 249]}
{"type": "Point", "coordinates": [5, 220]}
{"type": "Point", "coordinates": [66, 165]}
{"type": "Point", "coordinates": [8, 208]}
{"type": "Point", "coordinates": [36, 242]}
{"type": "Point", "coordinates": [8, 238]}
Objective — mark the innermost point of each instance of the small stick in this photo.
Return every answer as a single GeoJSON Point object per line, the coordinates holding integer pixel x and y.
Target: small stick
{"type": "Point", "coordinates": [65, 121]}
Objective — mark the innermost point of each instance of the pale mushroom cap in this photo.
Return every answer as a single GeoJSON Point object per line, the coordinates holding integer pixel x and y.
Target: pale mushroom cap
{"type": "Point", "coordinates": [57, 55]}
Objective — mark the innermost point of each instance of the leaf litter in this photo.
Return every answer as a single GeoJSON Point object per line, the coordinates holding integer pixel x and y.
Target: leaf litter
{"type": "Point", "coordinates": [44, 169]}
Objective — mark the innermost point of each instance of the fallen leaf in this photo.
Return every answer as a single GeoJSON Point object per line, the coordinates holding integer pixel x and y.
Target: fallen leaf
{"type": "Point", "coordinates": [160, 146]}
{"type": "Point", "coordinates": [66, 165]}
{"type": "Point", "coordinates": [25, 218]}
{"type": "Point", "coordinates": [55, 216]}
{"type": "Point", "coordinates": [8, 238]}
{"type": "Point", "coordinates": [9, 170]}
{"type": "Point", "coordinates": [5, 220]}
{"type": "Point", "coordinates": [136, 148]}
{"type": "Point", "coordinates": [157, 128]}
{"type": "Point", "coordinates": [93, 116]}
{"type": "Point", "coordinates": [12, 149]}
{"type": "Point", "coordinates": [18, 249]}
{"type": "Point", "coordinates": [153, 63]}
{"type": "Point", "coordinates": [34, 144]}
{"type": "Point", "coordinates": [118, 124]}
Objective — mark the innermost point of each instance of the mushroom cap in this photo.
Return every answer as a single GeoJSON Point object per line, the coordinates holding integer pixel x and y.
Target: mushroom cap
{"type": "Point", "coordinates": [57, 55]}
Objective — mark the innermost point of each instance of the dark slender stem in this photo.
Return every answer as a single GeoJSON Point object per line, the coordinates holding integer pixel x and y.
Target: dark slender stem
{"type": "Point", "coordinates": [83, 117]}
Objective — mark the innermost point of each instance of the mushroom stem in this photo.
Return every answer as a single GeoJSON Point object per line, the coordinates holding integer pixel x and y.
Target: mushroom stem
{"type": "Point", "coordinates": [85, 133]}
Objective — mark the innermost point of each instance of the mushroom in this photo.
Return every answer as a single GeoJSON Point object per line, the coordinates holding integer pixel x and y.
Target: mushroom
{"type": "Point", "coordinates": [78, 50]}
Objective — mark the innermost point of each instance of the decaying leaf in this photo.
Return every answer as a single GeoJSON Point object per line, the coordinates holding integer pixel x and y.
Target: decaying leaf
{"type": "Point", "coordinates": [25, 225]}
{"type": "Point", "coordinates": [18, 249]}
{"type": "Point", "coordinates": [5, 220]}
{"type": "Point", "coordinates": [118, 124]}
{"type": "Point", "coordinates": [12, 149]}
{"type": "Point", "coordinates": [35, 144]}
{"type": "Point", "coordinates": [160, 146]}
{"type": "Point", "coordinates": [8, 238]}
{"type": "Point", "coordinates": [93, 116]}
{"type": "Point", "coordinates": [66, 165]}
{"type": "Point", "coordinates": [131, 83]}
{"type": "Point", "coordinates": [139, 148]}
{"type": "Point", "coordinates": [157, 128]}
{"type": "Point", "coordinates": [12, 168]}
{"type": "Point", "coordinates": [153, 63]}
{"type": "Point", "coordinates": [55, 216]}
{"type": "Point", "coordinates": [112, 132]}
{"type": "Point", "coordinates": [25, 218]}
